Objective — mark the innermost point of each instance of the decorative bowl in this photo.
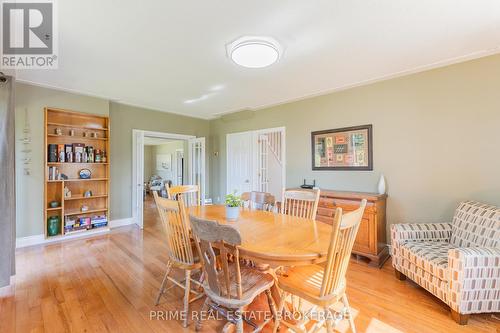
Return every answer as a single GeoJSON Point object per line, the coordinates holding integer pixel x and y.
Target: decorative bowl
{"type": "Point", "coordinates": [85, 174]}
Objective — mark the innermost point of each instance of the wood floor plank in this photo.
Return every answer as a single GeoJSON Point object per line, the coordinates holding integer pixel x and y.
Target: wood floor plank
{"type": "Point", "coordinates": [108, 283]}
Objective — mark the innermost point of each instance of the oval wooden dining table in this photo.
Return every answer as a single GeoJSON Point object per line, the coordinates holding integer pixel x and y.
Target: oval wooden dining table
{"type": "Point", "coordinates": [272, 238]}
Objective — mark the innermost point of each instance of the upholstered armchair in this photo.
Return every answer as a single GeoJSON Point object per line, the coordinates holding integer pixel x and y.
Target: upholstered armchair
{"type": "Point", "coordinates": [458, 262]}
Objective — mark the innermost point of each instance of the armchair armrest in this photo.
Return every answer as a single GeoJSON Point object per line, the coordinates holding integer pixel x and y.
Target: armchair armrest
{"type": "Point", "coordinates": [405, 232]}
{"type": "Point", "coordinates": [474, 279]}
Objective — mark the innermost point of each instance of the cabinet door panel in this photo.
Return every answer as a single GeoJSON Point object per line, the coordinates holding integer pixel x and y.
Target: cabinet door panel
{"type": "Point", "coordinates": [362, 242]}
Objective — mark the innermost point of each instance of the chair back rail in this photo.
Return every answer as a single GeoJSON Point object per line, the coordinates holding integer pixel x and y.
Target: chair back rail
{"type": "Point", "coordinates": [344, 230]}
{"type": "Point", "coordinates": [189, 193]}
{"type": "Point", "coordinates": [174, 220]}
{"type": "Point", "coordinates": [210, 235]}
{"type": "Point", "coordinates": [258, 200]}
{"type": "Point", "coordinates": [300, 203]}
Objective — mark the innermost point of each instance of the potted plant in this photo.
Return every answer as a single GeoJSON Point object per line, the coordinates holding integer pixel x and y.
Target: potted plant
{"type": "Point", "coordinates": [233, 204]}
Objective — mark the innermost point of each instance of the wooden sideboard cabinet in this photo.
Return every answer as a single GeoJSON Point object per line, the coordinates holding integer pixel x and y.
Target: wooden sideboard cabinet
{"type": "Point", "coordinates": [371, 238]}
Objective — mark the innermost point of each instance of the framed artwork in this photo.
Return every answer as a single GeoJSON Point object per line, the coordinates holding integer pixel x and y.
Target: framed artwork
{"type": "Point", "coordinates": [164, 162]}
{"type": "Point", "coordinates": [348, 148]}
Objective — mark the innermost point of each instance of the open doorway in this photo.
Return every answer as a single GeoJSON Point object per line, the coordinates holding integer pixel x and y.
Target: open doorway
{"type": "Point", "coordinates": [160, 159]}
{"type": "Point", "coordinates": [164, 162]}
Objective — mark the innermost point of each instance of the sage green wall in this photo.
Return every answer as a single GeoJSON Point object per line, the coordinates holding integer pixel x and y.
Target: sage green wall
{"type": "Point", "coordinates": [149, 167]}
{"type": "Point", "coordinates": [436, 138]}
{"type": "Point", "coordinates": [170, 148]}
{"type": "Point", "coordinates": [29, 188]}
{"type": "Point", "coordinates": [124, 118]}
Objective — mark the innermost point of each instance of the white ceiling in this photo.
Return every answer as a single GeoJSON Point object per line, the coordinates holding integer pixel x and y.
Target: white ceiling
{"type": "Point", "coordinates": [160, 53]}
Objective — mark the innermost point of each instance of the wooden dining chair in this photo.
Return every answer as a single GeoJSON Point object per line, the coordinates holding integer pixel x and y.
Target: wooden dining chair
{"type": "Point", "coordinates": [228, 285]}
{"type": "Point", "coordinates": [181, 251]}
{"type": "Point", "coordinates": [189, 193]}
{"type": "Point", "coordinates": [300, 203]}
{"type": "Point", "coordinates": [258, 200]}
{"type": "Point", "coordinates": [325, 286]}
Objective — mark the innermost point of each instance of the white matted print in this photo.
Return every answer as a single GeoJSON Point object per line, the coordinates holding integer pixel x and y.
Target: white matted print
{"type": "Point", "coordinates": [164, 162]}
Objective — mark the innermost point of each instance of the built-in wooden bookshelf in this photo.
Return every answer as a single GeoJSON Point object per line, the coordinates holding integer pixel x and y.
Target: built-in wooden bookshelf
{"type": "Point", "coordinates": [66, 129]}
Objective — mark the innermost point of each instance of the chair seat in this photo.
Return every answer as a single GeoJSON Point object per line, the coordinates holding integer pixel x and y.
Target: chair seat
{"type": "Point", "coordinates": [253, 283]}
{"type": "Point", "coordinates": [432, 257]}
{"type": "Point", "coordinates": [305, 282]}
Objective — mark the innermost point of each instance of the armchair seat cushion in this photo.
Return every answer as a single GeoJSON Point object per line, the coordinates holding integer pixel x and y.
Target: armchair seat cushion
{"type": "Point", "coordinates": [432, 257]}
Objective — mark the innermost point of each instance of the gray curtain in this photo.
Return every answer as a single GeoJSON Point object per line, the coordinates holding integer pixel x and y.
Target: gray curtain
{"type": "Point", "coordinates": [7, 182]}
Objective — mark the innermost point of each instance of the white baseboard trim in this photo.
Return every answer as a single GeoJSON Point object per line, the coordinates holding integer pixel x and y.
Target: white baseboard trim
{"type": "Point", "coordinates": [8, 290]}
{"type": "Point", "coordinates": [40, 239]}
{"type": "Point", "coordinates": [121, 222]}
{"type": "Point", "coordinates": [29, 240]}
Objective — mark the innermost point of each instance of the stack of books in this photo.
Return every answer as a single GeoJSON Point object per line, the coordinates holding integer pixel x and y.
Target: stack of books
{"type": "Point", "coordinates": [99, 221]}
{"type": "Point", "coordinates": [53, 173]}
{"type": "Point", "coordinates": [76, 224]}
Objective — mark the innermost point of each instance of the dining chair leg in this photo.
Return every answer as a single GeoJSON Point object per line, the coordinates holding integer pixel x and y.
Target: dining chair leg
{"type": "Point", "coordinates": [201, 279]}
{"type": "Point", "coordinates": [239, 321]}
{"type": "Point", "coordinates": [281, 306]}
{"type": "Point", "coordinates": [187, 291]}
{"type": "Point", "coordinates": [348, 313]}
{"type": "Point", "coordinates": [163, 283]}
{"type": "Point", "coordinates": [272, 306]}
{"type": "Point", "coordinates": [328, 320]}
{"type": "Point", "coordinates": [204, 308]}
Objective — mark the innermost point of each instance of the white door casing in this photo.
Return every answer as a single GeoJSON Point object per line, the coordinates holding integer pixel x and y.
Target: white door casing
{"type": "Point", "coordinates": [138, 177]}
{"type": "Point", "coordinates": [138, 167]}
{"type": "Point", "coordinates": [196, 161]}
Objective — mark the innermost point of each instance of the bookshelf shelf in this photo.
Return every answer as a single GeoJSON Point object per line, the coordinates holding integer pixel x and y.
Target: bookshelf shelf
{"type": "Point", "coordinates": [75, 138]}
{"type": "Point", "coordinates": [90, 128]}
{"type": "Point", "coordinates": [72, 234]}
{"type": "Point", "coordinates": [84, 180]}
{"type": "Point", "coordinates": [90, 211]}
{"type": "Point", "coordinates": [73, 163]}
{"type": "Point", "coordinates": [81, 197]}
{"type": "Point", "coordinates": [71, 132]}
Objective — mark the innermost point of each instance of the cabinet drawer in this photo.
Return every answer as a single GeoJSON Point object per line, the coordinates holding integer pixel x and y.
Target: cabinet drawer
{"type": "Point", "coordinates": [327, 212]}
{"type": "Point", "coordinates": [324, 219]}
{"type": "Point", "coordinates": [345, 204]}
{"type": "Point", "coordinates": [327, 203]}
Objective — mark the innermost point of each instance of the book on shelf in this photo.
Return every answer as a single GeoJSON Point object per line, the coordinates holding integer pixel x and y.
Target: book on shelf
{"type": "Point", "coordinates": [78, 152]}
{"type": "Point", "coordinates": [53, 173]}
{"type": "Point", "coordinates": [52, 153]}
{"type": "Point", "coordinates": [68, 148]}
{"type": "Point", "coordinates": [75, 153]}
{"type": "Point", "coordinates": [72, 223]}
{"type": "Point", "coordinates": [61, 154]}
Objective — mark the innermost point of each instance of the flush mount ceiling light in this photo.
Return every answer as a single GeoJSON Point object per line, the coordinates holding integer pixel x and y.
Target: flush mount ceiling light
{"type": "Point", "coordinates": [254, 51]}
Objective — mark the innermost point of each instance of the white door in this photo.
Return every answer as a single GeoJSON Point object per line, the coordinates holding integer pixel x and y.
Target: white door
{"type": "Point", "coordinates": [239, 162]}
{"type": "Point", "coordinates": [138, 178]}
{"type": "Point", "coordinates": [196, 153]}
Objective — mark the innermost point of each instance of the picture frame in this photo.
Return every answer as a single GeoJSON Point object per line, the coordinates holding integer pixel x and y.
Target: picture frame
{"type": "Point", "coordinates": [347, 148]}
{"type": "Point", "coordinates": [164, 162]}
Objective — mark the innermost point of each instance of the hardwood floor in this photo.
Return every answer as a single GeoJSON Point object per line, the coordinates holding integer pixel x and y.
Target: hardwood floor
{"type": "Point", "coordinates": [109, 283]}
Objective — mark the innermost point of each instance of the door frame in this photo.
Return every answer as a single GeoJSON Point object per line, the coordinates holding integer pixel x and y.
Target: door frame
{"type": "Point", "coordinates": [138, 163]}
{"type": "Point", "coordinates": [254, 152]}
